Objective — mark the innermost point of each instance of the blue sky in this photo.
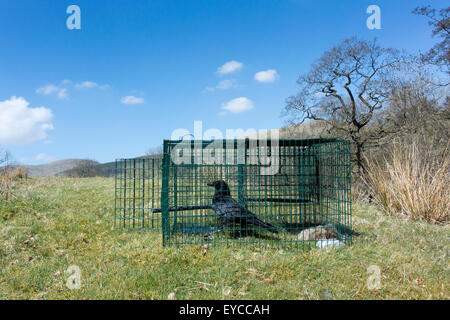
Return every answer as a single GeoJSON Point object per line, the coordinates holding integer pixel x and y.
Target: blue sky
{"type": "Point", "coordinates": [138, 70]}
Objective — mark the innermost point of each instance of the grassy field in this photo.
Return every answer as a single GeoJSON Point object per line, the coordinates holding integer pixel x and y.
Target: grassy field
{"type": "Point", "coordinates": [55, 223]}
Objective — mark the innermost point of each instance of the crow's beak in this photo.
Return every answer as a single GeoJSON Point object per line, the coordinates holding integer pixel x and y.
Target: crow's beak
{"type": "Point", "coordinates": [211, 184]}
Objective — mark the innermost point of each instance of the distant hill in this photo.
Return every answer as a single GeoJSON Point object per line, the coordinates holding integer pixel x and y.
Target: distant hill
{"type": "Point", "coordinates": [53, 168]}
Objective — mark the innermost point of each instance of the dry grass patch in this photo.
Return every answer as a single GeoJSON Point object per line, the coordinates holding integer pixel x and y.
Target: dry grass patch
{"type": "Point", "coordinates": [412, 182]}
{"type": "Point", "coordinates": [8, 179]}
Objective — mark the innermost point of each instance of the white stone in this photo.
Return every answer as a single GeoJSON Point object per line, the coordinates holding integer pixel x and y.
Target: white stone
{"type": "Point", "coordinates": [329, 243]}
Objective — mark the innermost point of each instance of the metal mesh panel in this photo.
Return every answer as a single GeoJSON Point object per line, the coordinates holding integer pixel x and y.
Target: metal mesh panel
{"type": "Point", "coordinates": [310, 188]}
{"type": "Point", "coordinates": [138, 193]}
{"type": "Point", "coordinates": [284, 189]}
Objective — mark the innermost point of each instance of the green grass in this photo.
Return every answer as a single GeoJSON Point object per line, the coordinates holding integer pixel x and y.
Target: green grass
{"type": "Point", "coordinates": [58, 222]}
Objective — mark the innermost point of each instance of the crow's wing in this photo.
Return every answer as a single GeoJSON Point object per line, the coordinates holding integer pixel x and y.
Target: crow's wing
{"type": "Point", "coordinates": [229, 208]}
{"type": "Point", "coordinates": [230, 211]}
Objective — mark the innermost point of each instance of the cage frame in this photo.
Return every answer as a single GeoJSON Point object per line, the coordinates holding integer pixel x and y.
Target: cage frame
{"type": "Point", "coordinates": [169, 209]}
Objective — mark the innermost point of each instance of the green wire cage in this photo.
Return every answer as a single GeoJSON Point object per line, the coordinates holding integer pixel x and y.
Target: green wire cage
{"type": "Point", "coordinates": [137, 193]}
{"type": "Point", "coordinates": [279, 193]}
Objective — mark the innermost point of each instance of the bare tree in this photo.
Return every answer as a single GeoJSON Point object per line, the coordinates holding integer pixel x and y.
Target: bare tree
{"type": "Point", "coordinates": [7, 175]}
{"type": "Point", "coordinates": [5, 158]}
{"type": "Point", "coordinates": [348, 88]}
{"type": "Point", "coordinates": [439, 55]}
{"type": "Point", "coordinates": [419, 109]}
{"type": "Point", "coordinates": [85, 169]}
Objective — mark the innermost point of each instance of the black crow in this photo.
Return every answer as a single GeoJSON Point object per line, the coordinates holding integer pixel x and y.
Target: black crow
{"type": "Point", "coordinates": [230, 211]}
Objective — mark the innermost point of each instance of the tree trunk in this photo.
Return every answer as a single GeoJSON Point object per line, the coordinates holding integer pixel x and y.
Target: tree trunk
{"type": "Point", "coordinates": [359, 159]}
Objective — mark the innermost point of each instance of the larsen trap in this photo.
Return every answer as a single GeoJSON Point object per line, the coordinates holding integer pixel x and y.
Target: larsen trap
{"type": "Point", "coordinates": [282, 193]}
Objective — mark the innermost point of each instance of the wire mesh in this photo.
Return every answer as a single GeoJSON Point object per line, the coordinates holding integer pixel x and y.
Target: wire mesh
{"type": "Point", "coordinates": [309, 189]}
{"type": "Point", "coordinates": [304, 197]}
{"type": "Point", "coordinates": [138, 193]}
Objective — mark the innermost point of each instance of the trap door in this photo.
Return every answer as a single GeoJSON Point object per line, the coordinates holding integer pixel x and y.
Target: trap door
{"type": "Point", "coordinates": [185, 197]}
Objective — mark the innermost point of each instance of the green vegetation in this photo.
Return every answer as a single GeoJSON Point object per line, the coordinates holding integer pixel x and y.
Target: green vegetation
{"type": "Point", "coordinates": [53, 223]}
{"type": "Point", "coordinates": [54, 168]}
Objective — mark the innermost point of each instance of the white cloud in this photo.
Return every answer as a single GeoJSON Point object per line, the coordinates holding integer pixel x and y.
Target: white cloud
{"type": "Point", "coordinates": [267, 76]}
{"type": "Point", "coordinates": [61, 90]}
{"type": "Point", "coordinates": [50, 89]}
{"type": "Point", "coordinates": [44, 157]}
{"type": "Point", "coordinates": [238, 105]}
{"type": "Point", "coordinates": [62, 93]}
{"type": "Point", "coordinates": [22, 125]}
{"type": "Point", "coordinates": [223, 85]}
{"type": "Point", "coordinates": [90, 84]}
{"type": "Point", "coordinates": [230, 67]}
{"type": "Point", "coordinates": [131, 100]}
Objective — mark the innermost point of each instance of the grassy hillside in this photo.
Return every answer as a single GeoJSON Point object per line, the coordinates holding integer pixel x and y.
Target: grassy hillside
{"type": "Point", "coordinates": [58, 222]}
{"type": "Point", "coordinates": [54, 168]}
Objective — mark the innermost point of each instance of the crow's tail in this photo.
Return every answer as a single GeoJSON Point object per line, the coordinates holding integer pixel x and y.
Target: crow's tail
{"type": "Point", "coordinates": [265, 225]}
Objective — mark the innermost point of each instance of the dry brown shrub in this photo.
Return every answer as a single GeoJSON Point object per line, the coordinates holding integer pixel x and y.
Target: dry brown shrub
{"type": "Point", "coordinates": [8, 179]}
{"type": "Point", "coordinates": [412, 181]}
